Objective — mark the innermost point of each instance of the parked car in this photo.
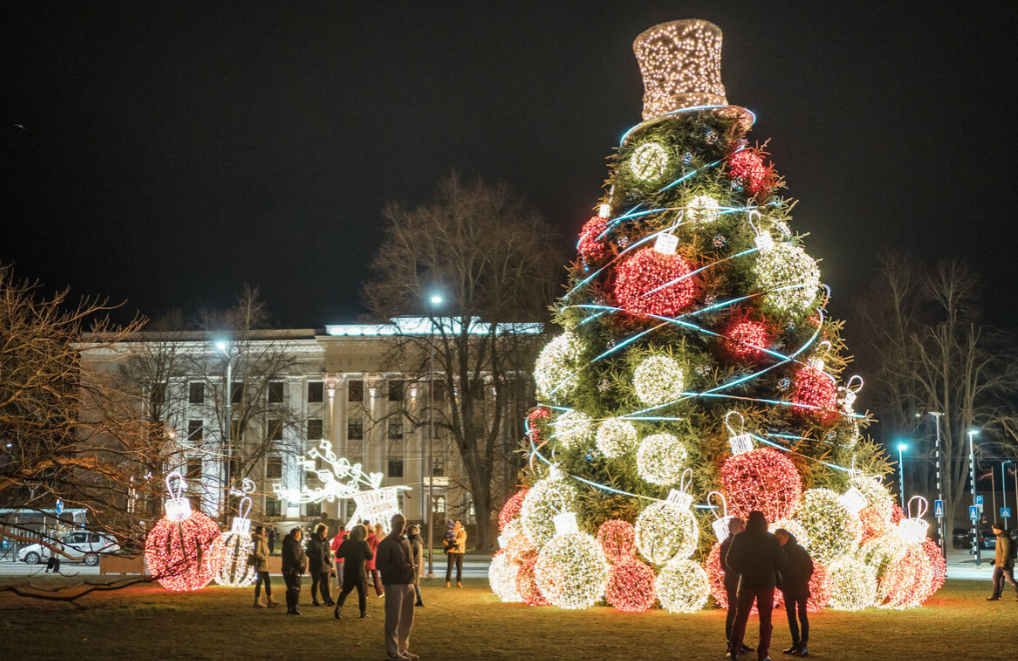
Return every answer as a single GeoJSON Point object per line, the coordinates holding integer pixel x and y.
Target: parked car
{"type": "Point", "coordinates": [79, 545]}
{"type": "Point", "coordinates": [961, 538]}
{"type": "Point", "coordinates": [987, 540]}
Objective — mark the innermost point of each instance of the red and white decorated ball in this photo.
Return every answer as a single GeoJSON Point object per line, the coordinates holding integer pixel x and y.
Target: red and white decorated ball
{"type": "Point", "coordinates": [819, 589]}
{"type": "Point", "coordinates": [185, 555]}
{"type": "Point", "coordinates": [593, 244]}
{"type": "Point", "coordinates": [746, 339]}
{"type": "Point", "coordinates": [815, 395]}
{"type": "Point", "coordinates": [526, 584]}
{"type": "Point", "coordinates": [511, 509]}
{"type": "Point", "coordinates": [630, 586]}
{"type": "Point", "coordinates": [938, 564]}
{"type": "Point", "coordinates": [764, 480]}
{"type": "Point", "coordinates": [653, 283]}
{"type": "Point", "coordinates": [748, 167]}
{"type": "Point", "coordinates": [618, 539]}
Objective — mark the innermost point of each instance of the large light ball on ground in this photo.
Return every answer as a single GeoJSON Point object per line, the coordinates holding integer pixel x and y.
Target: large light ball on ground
{"type": "Point", "coordinates": [630, 586]}
{"type": "Point", "coordinates": [515, 543]}
{"type": "Point", "coordinates": [235, 572]}
{"type": "Point", "coordinates": [650, 283]}
{"type": "Point", "coordinates": [571, 571]}
{"type": "Point", "coordinates": [831, 530]}
{"type": "Point", "coordinates": [853, 584]}
{"type": "Point", "coordinates": [764, 480]}
{"type": "Point", "coordinates": [682, 586]}
{"type": "Point", "coordinates": [557, 367]}
{"type": "Point", "coordinates": [788, 278]}
{"type": "Point", "coordinates": [908, 581]}
{"type": "Point", "coordinates": [819, 589]}
{"type": "Point", "coordinates": [876, 494]}
{"type": "Point", "coordinates": [526, 583]}
{"type": "Point", "coordinates": [502, 577]}
{"type": "Point", "coordinates": [548, 497]}
{"type": "Point", "coordinates": [658, 380]}
{"type": "Point", "coordinates": [618, 539]}
{"type": "Point", "coordinates": [939, 565]}
{"type": "Point", "coordinates": [660, 459]}
{"type": "Point", "coordinates": [184, 555]}
{"type": "Point", "coordinates": [574, 429]}
{"type": "Point", "coordinates": [665, 531]}
{"type": "Point", "coordinates": [615, 437]}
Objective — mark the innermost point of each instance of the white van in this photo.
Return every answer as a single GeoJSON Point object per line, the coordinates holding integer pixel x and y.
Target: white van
{"type": "Point", "coordinates": [79, 545]}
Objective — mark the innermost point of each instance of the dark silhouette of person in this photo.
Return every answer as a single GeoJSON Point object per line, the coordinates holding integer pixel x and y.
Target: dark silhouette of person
{"type": "Point", "coordinates": [758, 557]}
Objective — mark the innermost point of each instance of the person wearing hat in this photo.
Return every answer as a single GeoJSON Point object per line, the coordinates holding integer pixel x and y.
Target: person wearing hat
{"type": "Point", "coordinates": [731, 581]}
{"type": "Point", "coordinates": [1003, 563]}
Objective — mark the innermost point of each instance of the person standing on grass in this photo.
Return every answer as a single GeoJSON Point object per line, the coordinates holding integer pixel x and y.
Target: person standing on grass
{"type": "Point", "coordinates": [372, 540]}
{"type": "Point", "coordinates": [260, 563]}
{"type": "Point", "coordinates": [417, 546]}
{"type": "Point", "coordinates": [455, 553]}
{"type": "Point", "coordinates": [396, 563]}
{"type": "Point", "coordinates": [1003, 563]}
{"type": "Point", "coordinates": [340, 537]}
{"type": "Point", "coordinates": [758, 557]}
{"type": "Point", "coordinates": [320, 563]}
{"type": "Point", "coordinates": [355, 553]}
{"type": "Point", "coordinates": [295, 563]}
{"type": "Point", "coordinates": [795, 588]}
{"type": "Point", "coordinates": [731, 581]}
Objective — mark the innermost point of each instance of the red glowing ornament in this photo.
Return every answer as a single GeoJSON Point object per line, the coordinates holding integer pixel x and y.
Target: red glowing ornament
{"type": "Point", "coordinates": [746, 339]}
{"type": "Point", "coordinates": [873, 524]}
{"type": "Point", "coordinates": [526, 584]}
{"type": "Point", "coordinates": [819, 589]}
{"type": "Point", "coordinates": [764, 480]}
{"type": "Point", "coordinates": [653, 283]}
{"type": "Point", "coordinates": [593, 245]}
{"type": "Point", "coordinates": [938, 564]}
{"type": "Point", "coordinates": [908, 580]}
{"type": "Point", "coordinates": [815, 395]}
{"type": "Point", "coordinates": [618, 539]}
{"type": "Point", "coordinates": [511, 509]}
{"type": "Point", "coordinates": [536, 419]}
{"type": "Point", "coordinates": [185, 549]}
{"type": "Point", "coordinates": [630, 586]}
{"type": "Point", "coordinates": [747, 166]}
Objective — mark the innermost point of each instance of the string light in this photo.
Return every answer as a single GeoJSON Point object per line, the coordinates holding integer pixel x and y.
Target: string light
{"type": "Point", "coordinates": [615, 437]}
{"type": "Point", "coordinates": [574, 428]}
{"type": "Point", "coordinates": [764, 480]}
{"type": "Point", "coordinates": [571, 571]}
{"type": "Point", "coordinates": [618, 539]}
{"type": "Point", "coordinates": [665, 531]}
{"type": "Point", "coordinates": [651, 283]}
{"type": "Point", "coordinates": [682, 586]}
{"type": "Point", "coordinates": [235, 571]}
{"type": "Point", "coordinates": [831, 530]}
{"type": "Point", "coordinates": [630, 587]}
{"type": "Point", "coordinates": [853, 584]}
{"type": "Point", "coordinates": [745, 339]}
{"type": "Point", "coordinates": [788, 278]}
{"type": "Point", "coordinates": [556, 367]}
{"type": "Point", "coordinates": [660, 459]}
{"type": "Point", "coordinates": [511, 510]}
{"type": "Point", "coordinates": [548, 497]}
{"type": "Point", "coordinates": [657, 380]}
{"type": "Point", "coordinates": [502, 578]}
{"type": "Point", "coordinates": [526, 584]}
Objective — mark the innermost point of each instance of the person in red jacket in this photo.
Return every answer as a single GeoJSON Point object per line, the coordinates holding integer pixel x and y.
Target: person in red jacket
{"type": "Point", "coordinates": [340, 537]}
{"type": "Point", "coordinates": [372, 541]}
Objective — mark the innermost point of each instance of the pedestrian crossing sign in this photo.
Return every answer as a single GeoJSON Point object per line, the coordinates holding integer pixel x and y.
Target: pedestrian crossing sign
{"type": "Point", "coordinates": [973, 512]}
{"type": "Point", "coordinates": [938, 508]}
{"type": "Point", "coordinates": [1005, 512]}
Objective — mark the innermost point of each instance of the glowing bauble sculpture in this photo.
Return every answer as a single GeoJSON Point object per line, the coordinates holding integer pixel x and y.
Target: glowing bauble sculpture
{"type": "Point", "coordinates": [831, 530]}
{"type": "Point", "coordinates": [658, 380]}
{"type": "Point", "coordinates": [526, 584]}
{"type": "Point", "coordinates": [682, 586]}
{"type": "Point", "coordinates": [665, 531]}
{"type": "Point", "coordinates": [653, 283]}
{"type": "Point", "coordinates": [746, 339]}
{"type": "Point", "coordinates": [660, 459]}
{"type": "Point", "coordinates": [702, 209]}
{"type": "Point", "coordinates": [593, 244]}
{"type": "Point", "coordinates": [748, 167]}
{"type": "Point", "coordinates": [555, 372]}
{"type": "Point", "coordinates": [815, 395]}
{"type": "Point", "coordinates": [788, 278]}
{"type": "Point", "coordinates": [574, 428]}
{"type": "Point", "coordinates": [876, 494]}
{"type": "Point", "coordinates": [938, 564]}
{"type": "Point", "coordinates": [511, 510]}
{"type": "Point", "coordinates": [615, 437]}
{"type": "Point", "coordinates": [764, 480]}
{"type": "Point", "coordinates": [571, 571]}
{"type": "Point", "coordinates": [515, 543]}
{"type": "Point", "coordinates": [819, 589]}
{"type": "Point", "coordinates": [235, 572]}
{"type": "Point", "coordinates": [907, 581]}
{"type": "Point", "coordinates": [853, 584]}
{"type": "Point", "coordinates": [548, 497]}
{"type": "Point", "coordinates": [502, 578]}
{"type": "Point", "coordinates": [617, 538]}
{"type": "Point", "coordinates": [630, 587]}
{"type": "Point", "coordinates": [648, 162]}
{"type": "Point", "coordinates": [184, 550]}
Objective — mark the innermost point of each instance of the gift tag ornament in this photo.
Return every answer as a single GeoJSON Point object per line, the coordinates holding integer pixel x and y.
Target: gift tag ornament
{"type": "Point", "coordinates": [740, 441]}
{"type": "Point", "coordinates": [721, 523]}
{"type": "Point", "coordinates": [763, 240]}
{"type": "Point", "coordinates": [666, 244]}
{"type": "Point", "coordinates": [853, 500]}
{"type": "Point", "coordinates": [913, 529]}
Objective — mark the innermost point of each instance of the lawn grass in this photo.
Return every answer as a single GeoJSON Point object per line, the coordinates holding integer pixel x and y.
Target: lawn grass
{"type": "Point", "coordinates": [146, 622]}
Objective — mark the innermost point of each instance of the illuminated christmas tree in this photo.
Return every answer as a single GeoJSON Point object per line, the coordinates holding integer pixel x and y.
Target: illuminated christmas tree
{"type": "Point", "coordinates": [696, 357]}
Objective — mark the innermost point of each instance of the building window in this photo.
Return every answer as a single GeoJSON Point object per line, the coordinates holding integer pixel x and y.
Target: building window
{"type": "Point", "coordinates": [438, 467]}
{"type": "Point", "coordinates": [396, 390]}
{"type": "Point", "coordinates": [196, 392]}
{"type": "Point", "coordinates": [395, 468]}
{"type": "Point", "coordinates": [355, 429]}
{"type": "Point", "coordinates": [316, 392]}
{"type": "Point", "coordinates": [355, 391]}
{"type": "Point", "coordinates": [313, 509]}
{"type": "Point", "coordinates": [237, 390]}
{"type": "Point", "coordinates": [274, 468]}
{"type": "Point", "coordinates": [273, 507]}
{"type": "Point", "coordinates": [194, 469]}
{"type": "Point", "coordinates": [439, 390]}
{"type": "Point", "coordinates": [275, 392]}
{"type": "Point", "coordinates": [396, 426]}
{"type": "Point", "coordinates": [440, 504]}
{"type": "Point", "coordinates": [276, 430]}
{"type": "Point", "coordinates": [195, 430]}
{"type": "Point", "coordinates": [316, 429]}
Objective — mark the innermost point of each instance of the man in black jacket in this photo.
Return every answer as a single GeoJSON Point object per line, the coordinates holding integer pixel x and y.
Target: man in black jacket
{"type": "Point", "coordinates": [795, 588]}
{"type": "Point", "coordinates": [355, 552]}
{"type": "Point", "coordinates": [731, 579]}
{"type": "Point", "coordinates": [395, 561]}
{"type": "Point", "coordinates": [757, 556]}
{"type": "Point", "coordinates": [320, 564]}
{"type": "Point", "coordinates": [294, 565]}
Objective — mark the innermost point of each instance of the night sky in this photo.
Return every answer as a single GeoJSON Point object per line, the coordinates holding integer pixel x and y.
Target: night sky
{"type": "Point", "coordinates": [166, 153]}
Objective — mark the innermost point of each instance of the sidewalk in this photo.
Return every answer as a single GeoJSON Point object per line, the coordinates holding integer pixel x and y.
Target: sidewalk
{"type": "Point", "coordinates": [962, 565]}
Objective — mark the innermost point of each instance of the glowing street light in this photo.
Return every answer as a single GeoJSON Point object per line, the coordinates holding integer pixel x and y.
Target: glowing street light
{"type": "Point", "coordinates": [901, 471]}
{"type": "Point", "coordinates": [435, 300]}
{"type": "Point", "coordinates": [972, 477]}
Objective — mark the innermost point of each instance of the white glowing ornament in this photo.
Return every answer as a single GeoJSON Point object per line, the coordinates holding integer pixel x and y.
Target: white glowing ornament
{"type": "Point", "coordinates": [502, 578]}
{"type": "Point", "coordinates": [853, 500]}
{"type": "Point", "coordinates": [648, 162]}
{"type": "Point", "coordinates": [177, 506]}
{"type": "Point", "coordinates": [721, 523]}
{"type": "Point", "coordinates": [667, 529]}
{"type": "Point", "coordinates": [660, 458]}
{"type": "Point", "coordinates": [615, 437]}
{"type": "Point", "coordinates": [788, 278]}
{"type": "Point", "coordinates": [557, 367]}
{"type": "Point", "coordinates": [847, 394]}
{"type": "Point", "coordinates": [913, 529]}
{"type": "Point", "coordinates": [682, 586]}
{"type": "Point", "coordinates": [853, 584]}
{"type": "Point", "coordinates": [235, 571]}
{"type": "Point", "coordinates": [832, 530]}
{"type": "Point", "coordinates": [548, 497]}
{"type": "Point", "coordinates": [763, 239]}
{"type": "Point", "coordinates": [571, 571]}
{"type": "Point", "coordinates": [703, 209]}
{"type": "Point", "coordinates": [876, 494]}
{"type": "Point", "coordinates": [574, 428]}
{"type": "Point", "coordinates": [657, 380]}
{"type": "Point", "coordinates": [740, 441]}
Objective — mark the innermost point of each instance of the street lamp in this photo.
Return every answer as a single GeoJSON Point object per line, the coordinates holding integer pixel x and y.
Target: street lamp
{"type": "Point", "coordinates": [941, 525]}
{"type": "Point", "coordinates": [434, 300]}
{"type": "Point", "coordinates": [901, 471]}
{"type": "Point", "coordinates": [972, 477]}
{"type": "Point", "coordinates": [224, 348]}
{"type": "Point", "coordinates": [1003, 488]}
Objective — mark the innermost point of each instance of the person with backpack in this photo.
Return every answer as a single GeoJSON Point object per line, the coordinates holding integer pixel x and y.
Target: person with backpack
{"type": "Point", "coordinates": [795, 588]}
{"type": "Point", "coordinates": [1003, 563]}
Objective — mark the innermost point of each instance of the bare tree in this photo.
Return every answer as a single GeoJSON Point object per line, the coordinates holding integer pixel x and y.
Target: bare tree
{"type": "Point", "coordinates": [933, 353]}
{"type": "Point", "coordinates": [492, 261]}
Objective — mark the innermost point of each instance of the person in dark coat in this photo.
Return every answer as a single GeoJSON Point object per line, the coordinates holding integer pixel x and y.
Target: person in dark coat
{"type": "Point", "coordinates": [1003, 563]}
{"type": "Point", "coordinates": [320, 564]}
{"type": "Point", "coordinates": [417, 546]}
{"type": "Point", "coordinates": [272, 541]}
{"type": "Point", "coordinates": [795, 588]}
{"type": "Point", "coordinates": [355, 553]}
{"type": "Point", "coordinates": [758, 557]}
{"type": "Point", "coordinates": [295, 563]}
{"type": "Point", "coordinates": [395, 561]}
{"type": "Point", "coordinates": [731, 580]}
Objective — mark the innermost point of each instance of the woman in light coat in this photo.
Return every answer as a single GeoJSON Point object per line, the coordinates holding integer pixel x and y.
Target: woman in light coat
{"type": "Point", "coordinates": [260, 562]}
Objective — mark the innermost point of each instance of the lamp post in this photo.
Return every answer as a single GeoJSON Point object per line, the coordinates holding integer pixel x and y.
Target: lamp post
{"type": "Point", "coordinates": [901, 471]}
{"type": "Point", "coordinates": [1003, 487]}
{"type": "Point", "coordinates": [224, 348]}
{"type": "Point", "coordinates": [972, 476]}
{"type": "Point", "coordinates": [434, 300]}
{"type": "Point", "coordinates": [941, 525]}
